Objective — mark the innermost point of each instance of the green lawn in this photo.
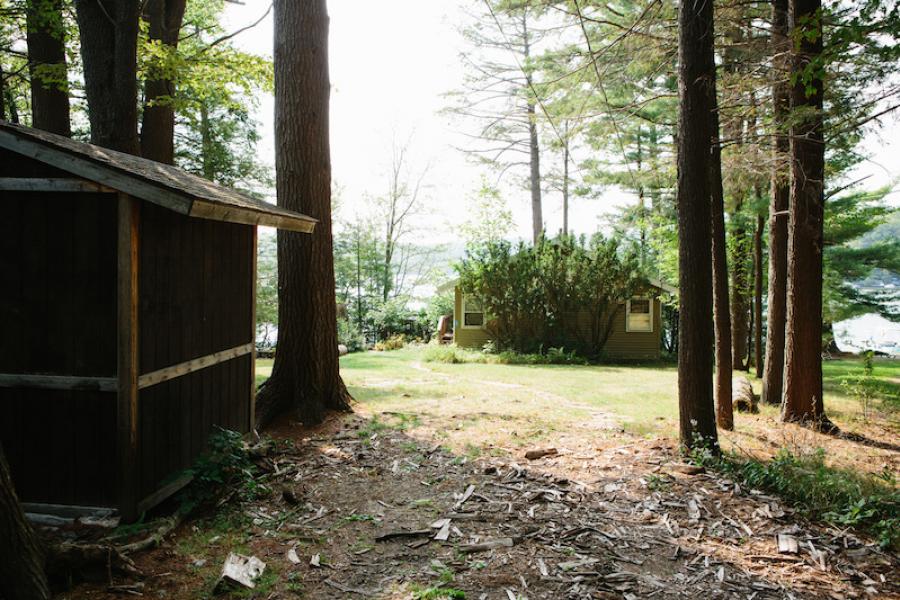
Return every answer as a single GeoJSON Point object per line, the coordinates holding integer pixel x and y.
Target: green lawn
{"type": "Point", "coordinates": [500, 408]}
{"type": "Point", "coordinates": [642, 399]}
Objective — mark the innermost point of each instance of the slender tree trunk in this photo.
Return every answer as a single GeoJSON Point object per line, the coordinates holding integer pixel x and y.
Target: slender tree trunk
{"type": "Point", "coordinates": [697, 92]}
{"type": "Point", "coordinates": [158, 127]}
{"type": "Point", "coordinates": [721, 314]}
{"type": "Point", "coordinates": [803, 350]}
{"type": "Point", "coordinates": [7, 102]}
{"type": "Point", "coordinates": [534, 155]}
{"type": "Point", "coordinates": [22, 574]}
{"type": "Point", "coordinates": [206, 143]}
{"type": "Point", "coordinates": [740, 311]}
{"type": "Point", "coordinates": [537, 218]}
{"type": "Point", "coordinates": [2, 94]}
{"type": "Point", "coordinates": [757, 294]}
{"type": "Point", "coordinates": [47, 66]}
{"type": "Point", "coordinates": [109, 32]}
{"type": "Point", "coordinates": [776, 307]}
{"type": "Point", "coordinates": [305, 375]}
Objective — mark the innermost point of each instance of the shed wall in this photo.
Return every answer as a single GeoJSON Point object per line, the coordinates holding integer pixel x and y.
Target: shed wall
{"type": "Point", "coordinates": [196, 292]}
{"type": "Point", "coordinates": [58, 315]}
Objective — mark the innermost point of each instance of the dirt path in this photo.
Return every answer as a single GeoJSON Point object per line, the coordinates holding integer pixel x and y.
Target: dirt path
{"type": "Point", "coordinates": [610, 519]}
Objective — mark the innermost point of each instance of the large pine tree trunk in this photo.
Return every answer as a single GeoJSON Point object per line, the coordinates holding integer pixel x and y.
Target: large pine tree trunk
{"type": "Point", "coordinates": [22, 574]}
{"type": "Point", "coordinates": [109, 53]}
{"type": "Point", "coordinates": [776, 307]}
{"type": "Point", "coordinates": [721, 314]}
{"type": "Point", "coordinates": [158, 126]}
{"type": "Point", "coordinates": [697, 92]}
{"type": "Point", "coordinates": [47, 66]}
{"type": "Point", "coordinates": [803, 349]}
{"type": "Point", "coordinates": [305, 374]}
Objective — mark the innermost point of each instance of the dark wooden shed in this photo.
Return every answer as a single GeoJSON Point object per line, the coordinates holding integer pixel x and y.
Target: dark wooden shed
{"type": "Point", "coordinates": [127, 313]}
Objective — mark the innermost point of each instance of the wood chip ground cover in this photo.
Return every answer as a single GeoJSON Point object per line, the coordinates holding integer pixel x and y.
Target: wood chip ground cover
{"type": "Point", "coordinates": [614, 520]}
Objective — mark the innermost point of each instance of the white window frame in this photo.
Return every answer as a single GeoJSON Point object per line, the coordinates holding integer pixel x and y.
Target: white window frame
{"type": "Point", "coordinates": [462, 320]}
{"type": "Point", "coordinates": [628, 328]}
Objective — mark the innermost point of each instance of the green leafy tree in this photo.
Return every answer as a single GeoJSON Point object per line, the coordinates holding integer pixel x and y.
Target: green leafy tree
{"type": "Point", "coordinates": [561, 292]}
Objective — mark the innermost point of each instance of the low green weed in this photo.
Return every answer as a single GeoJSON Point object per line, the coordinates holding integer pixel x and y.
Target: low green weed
{"type": "Point", "coordinates": [837, 496]}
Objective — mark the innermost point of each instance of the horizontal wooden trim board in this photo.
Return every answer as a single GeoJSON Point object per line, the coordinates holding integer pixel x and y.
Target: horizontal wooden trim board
{"type": "Point", "coordinates": [182, 369]}
{"type": "Point", "coordinates": [248, 216]}
{"type": "Point", "coordinates": [59, 382]}
{"type": "Point", "coordinates": [50, 184]}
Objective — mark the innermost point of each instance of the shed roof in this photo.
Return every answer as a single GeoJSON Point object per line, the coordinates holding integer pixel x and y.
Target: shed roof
{"type": "Point", "coordinates": [161, 184]}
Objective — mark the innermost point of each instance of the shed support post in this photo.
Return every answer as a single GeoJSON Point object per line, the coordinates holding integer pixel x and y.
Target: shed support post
{"type": "Point", "coordinates": [254, 245]}
{"type": "Point", "coordinates": [127, 345]}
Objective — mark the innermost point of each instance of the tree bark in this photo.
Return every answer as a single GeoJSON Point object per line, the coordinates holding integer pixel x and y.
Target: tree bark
{"type": "Point", "coordinates": [305, 375]}
{"type": "Point", "coordinates": [108, 32]}
{"type": "Point", "coordinates": [757, 294]}
{"type": "Point", "coordinates": [803, 351]}
{"type": "Point", "coordinates": [565, 182]}
{"type": "Point", "coordinates": [22, 573]}
{"type": "Point", "coordinates": [721, 314]}
{"type": "Point", "coordinates": [47, 65]}
{"type": "Point", "coordinates": [2, 94]}
{"type": "Point", "coordinates": [776, 307]}
{"type": "Point", "coordinates": [158, 126]}
{"type": "Point", "coordinates": [697, 91]}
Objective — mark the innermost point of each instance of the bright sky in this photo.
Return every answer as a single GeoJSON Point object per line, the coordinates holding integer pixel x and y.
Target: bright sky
{"type": "Point", "coordinates": [391, 63]}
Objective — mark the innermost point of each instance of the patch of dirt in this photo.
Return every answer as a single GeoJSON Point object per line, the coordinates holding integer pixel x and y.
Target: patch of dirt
{"type": "Point", "coordinates": [603, 518]}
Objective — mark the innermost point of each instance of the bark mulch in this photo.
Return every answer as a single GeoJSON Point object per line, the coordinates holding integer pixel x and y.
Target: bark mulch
{"type": "Point", "coordinates": [360, 512]}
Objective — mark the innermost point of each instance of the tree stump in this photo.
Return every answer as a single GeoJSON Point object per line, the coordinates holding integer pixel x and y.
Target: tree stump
{"type": "Point", "coordinates": [742, 396]}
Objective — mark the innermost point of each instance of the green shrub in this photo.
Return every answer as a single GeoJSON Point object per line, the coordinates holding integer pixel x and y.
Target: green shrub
{"type": "Point", "coordinates": [454, 355]}
{"type": "Point", "coordinates": [395, 342]}
{"type": "Point", "coordinates": [350, 336]}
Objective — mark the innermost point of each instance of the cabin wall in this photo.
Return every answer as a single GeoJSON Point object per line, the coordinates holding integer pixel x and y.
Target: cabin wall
{"type": "Point", "coordinates": [196, 289]}
{"type": "Point", "coordinates": [622, 344]}
{"type": "Point", "coordinates": [58, 315]}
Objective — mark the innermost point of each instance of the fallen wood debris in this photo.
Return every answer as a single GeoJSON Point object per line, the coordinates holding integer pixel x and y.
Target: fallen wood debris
{"type": "Point", "coordinates": [541, 453]}
{"type": "Point", "coordinates": [787, 544]}
{"type": "Point", "coordinates": [400, 533]}
{"type": "Point", "coordinates": [507, 542]}
{"type": "Point", "coordinates": [240, 569]}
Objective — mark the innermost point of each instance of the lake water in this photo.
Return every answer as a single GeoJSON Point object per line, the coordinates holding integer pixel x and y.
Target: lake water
{"type": "Point", "coordinates": [868, 332]}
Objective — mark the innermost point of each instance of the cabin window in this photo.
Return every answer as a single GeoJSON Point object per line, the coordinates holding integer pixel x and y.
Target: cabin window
{"type": "Point", "coordinates": [639, 315]}
{"type": "Point", "coordinates": [473, 313]}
